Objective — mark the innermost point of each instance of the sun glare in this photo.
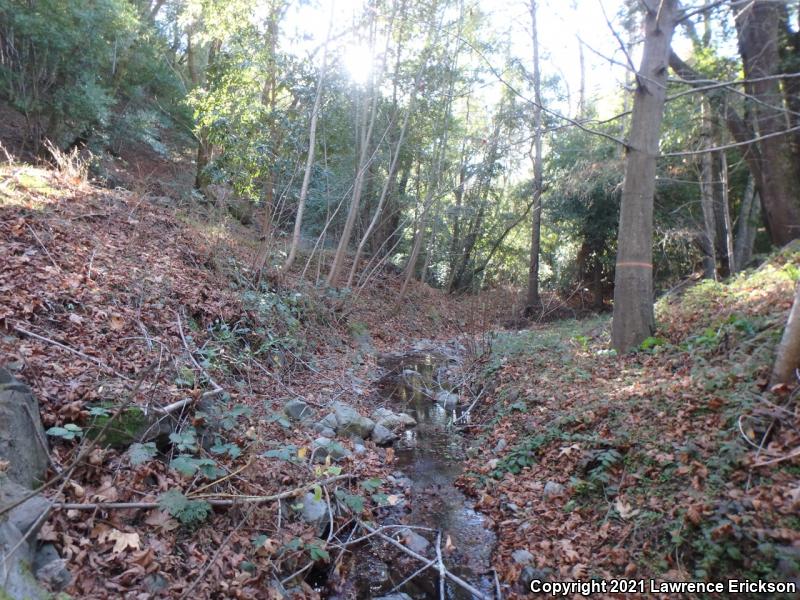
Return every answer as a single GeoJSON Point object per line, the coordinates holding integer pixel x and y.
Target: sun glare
{"type": "Point", "coordinates": [358, 62]}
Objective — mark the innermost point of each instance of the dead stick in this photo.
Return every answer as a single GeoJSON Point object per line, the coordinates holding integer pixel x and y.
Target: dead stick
{"type": "Point", "coordinates": [212, 501]}
{"type": "Point", "coordinates": [217, 387]}
{"type": "Point", "coordinates": [454, 578]}
{"type": "Point", "coordinates": [96, 361]}
{"type": "Point", "coordinates": [46, 251]}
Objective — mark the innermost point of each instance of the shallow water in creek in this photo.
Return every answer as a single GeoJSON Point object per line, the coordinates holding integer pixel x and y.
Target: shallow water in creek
{"type": "Point", "coordinates": [431, 455]}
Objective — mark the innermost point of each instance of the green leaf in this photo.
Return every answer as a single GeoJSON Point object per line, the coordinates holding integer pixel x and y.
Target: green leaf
{"type": "Point", "coordinates": [372, 484]}
{"type": "Point", "coordinates": [317, 493]}
{"type": "Point", "coordinates": [69, 432]}
{"type": "Point", "coordinates": [188, 512]}
{"type": "Point", "coordinates": [317, 552]}
{"type": "Point", "coordinates": [185, 440]}
{"type": "Point", "coordinates": [287, 453]}
{"type": "Point", "coordinates": [141, 453]}
{"type": "Point", "coordinates": [99, 411]}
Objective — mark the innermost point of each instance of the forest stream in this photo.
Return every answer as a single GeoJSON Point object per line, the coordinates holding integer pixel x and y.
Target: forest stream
{"type": "Point", "coordinates": [429, 459]}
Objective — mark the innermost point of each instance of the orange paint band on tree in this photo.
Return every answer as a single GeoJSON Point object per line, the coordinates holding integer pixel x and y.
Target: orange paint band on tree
{"type": "Point", "coordinates": [635, 264]}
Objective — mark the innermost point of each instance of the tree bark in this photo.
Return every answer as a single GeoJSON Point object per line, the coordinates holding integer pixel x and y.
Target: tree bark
{"type": "Point", "coordinates": [633, 319]}
{"type": "Point", "coordinates": [787, 359]}
{"type": "Point", "coordinates": [708, 240]}
{"type": "Point", "coordinates": [746, 227]}
{"type": "Point", "coordinates": [758, 25]}
{"type": "Point", "coordinates": [532, 300]}
{"type": "Point", "coordinates": [312, 143]}
{"type": "Point", "coordinates": [722, 215]}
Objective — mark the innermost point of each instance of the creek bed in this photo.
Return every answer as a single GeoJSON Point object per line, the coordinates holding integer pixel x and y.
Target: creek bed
{"type": "Point", "coordinates": [431, 456]}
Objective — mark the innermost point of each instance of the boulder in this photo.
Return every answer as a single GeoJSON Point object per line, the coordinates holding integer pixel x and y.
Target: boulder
{"type": "Point", "coordinates": [324, 447]}
{"type": "Point", "coordinates": [18, 570]}
{"type": "Point", "coordinates": [414, 541]}
{"type": "Point", "coordinates": [382, 435]}
{"type": "Point", "coordinates": [51, 569]}
{"type": "Point", "coordinates": [297, 410]}
{"type": "Point", "coordinates": [398, 596]}
{"type": "Point", "coordinates": [351, 422]}
{"type": "Point", "coordinates": [324, 431]}
{"type": "Point", "coordinates": [24, 460]}
{"type": "Point", "coordinates": [21, 432]}
{"type": "Point", "coordinates": [447, 399]}
{"type": "Point", "coordinates": [315, 512]}
{"type": "Point", "coordinates": [392, 420]}
{"type": "Point", "coordinates": [330, 420]}
{"type": "Point", "coordinates": [552, 489]}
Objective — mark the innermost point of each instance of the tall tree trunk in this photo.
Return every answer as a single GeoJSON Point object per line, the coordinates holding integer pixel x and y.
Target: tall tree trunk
{"type": "Point", "coordinates": [633, 319]}
{"type": "Point", "coordinates": [312, 144]}
{"type": "Point", "coordinates": [758, 25]}
{"type": "Point", "coordinates": [722, 216]}
{"type": "Point", "coordinates": [749, 216]}
{"type": "Point", "coordinates": [532, 300]}
{"type": "Point", "coordinates": [708, 240]}
{"type": "Point", "coordinates": [367, 125]}
{"type": "Point", "coordinates": [787, 360]}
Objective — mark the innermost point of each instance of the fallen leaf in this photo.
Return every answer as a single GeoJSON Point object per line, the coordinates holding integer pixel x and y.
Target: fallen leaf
{"type": "Point", "coordinates": [122, 541]}
{"type": "Point", "coordinates": [625, 510]}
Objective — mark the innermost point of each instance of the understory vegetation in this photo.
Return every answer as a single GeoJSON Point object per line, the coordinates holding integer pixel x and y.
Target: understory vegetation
{"type": "Point", "coordinates": [673, 462]}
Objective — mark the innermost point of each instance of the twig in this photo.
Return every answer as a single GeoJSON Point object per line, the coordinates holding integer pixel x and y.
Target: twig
{"type": "Point", "coordinates": [207, 566]}
{"type": "Point", "coordinates": [454, 578]}
{"type": "Point", "coordinates": [91, 359]}
{"type": "Point", "coordinates": [498, 593]}
{"type": "Point", "coordinates": [442, 570]}
{"type": "Point", "coordinates": [212, 500]}
{"type": "Point", "coordinates": [46, 251]}
{"type": "Point", "coordinates": [217, 387]}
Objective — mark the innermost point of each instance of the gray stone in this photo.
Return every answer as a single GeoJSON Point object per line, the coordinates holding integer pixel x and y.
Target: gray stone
{"type": "Point", "coordinates": [359, 449]}
{"type": "Point", "coordinates": [522, 557]}
{"type": "Point", "coordinates": [392, 420]}
{"type": "Point", "coordinates": [51, 569]}
{"type": "Point", "coordinates": [398, 596]}
{"type": "Point", "coordinates": [447, 399]}
{"type": "Point", "coordinates": [552, 489]}
{"type": "Point", "coordinates": [414, 541]}
{"type": "Point", "coordinates": [351, 422]}
{"type": "Point", "coordinates": [18, 569]}
{"type": "Point", "coordinates": [324, 447]}
{"type": "Point", "coordinates": [500, 446]}
{"type": "Point", "coordinates": [297, 410]}
{"type": "Point", "coordinates": [315, 512]}
{"type": "Point", "coordinates": [323, 430]}
{"type": "Point", "coordinates": [155, 583]}
{"type": "Point", "coordinates": [21, 432]}
{"type": "Point", "coordinates": [382, 435]}
{"type": "Point", "coordinates": [330, 420]}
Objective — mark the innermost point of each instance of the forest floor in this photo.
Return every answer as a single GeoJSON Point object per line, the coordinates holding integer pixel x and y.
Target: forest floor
{"type": "Point", "coordinates": [109, 297]}
{"type": "Point", "coordinates": [673, 462]}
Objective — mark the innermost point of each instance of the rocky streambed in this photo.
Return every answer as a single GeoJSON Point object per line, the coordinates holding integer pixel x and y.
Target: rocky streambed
{"type": "Point", "coordinates": [433, 514]}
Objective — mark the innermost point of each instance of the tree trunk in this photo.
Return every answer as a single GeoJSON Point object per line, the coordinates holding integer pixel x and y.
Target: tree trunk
{"type": "Point", "coordinates": [708, 238]}
{"type": "Point", "coordinates": [312, 144]}
{"type": "Point", "coordinates": [532, 300]}
{"type": "Point", "coordinates": [722, 216]}
{"type": "Point", "coordinates": [633, 319]}
{"type": "Point", "coordinates": [787, 359]}
{"type": "Point", "coordinates": [758, 25]}
{"type": "Point", "coordinates": [749, 214]}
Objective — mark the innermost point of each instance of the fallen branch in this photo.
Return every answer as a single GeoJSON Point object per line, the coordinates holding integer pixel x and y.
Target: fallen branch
{"type": "Point", "coordinates": [217, 387]}
{"type": "Point", "coordinates": [213, 501]}
{"type": "Point", "coordinates": [91, 359]}
{"type": "Point", "coordinates": [454, 578]}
